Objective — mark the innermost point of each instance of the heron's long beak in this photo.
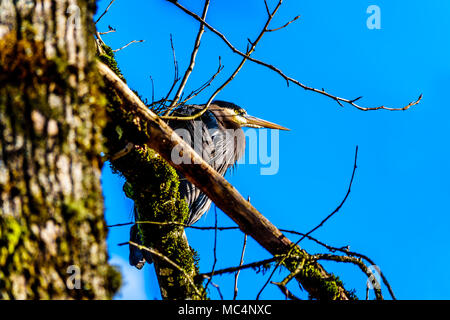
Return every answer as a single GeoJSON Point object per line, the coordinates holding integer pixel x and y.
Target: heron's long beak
{"type": "Point", "coordinates": [254, 122]}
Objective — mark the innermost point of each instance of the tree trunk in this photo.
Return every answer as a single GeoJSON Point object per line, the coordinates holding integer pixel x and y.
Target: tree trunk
{"type": "Point", "coordinates": [52, 229]}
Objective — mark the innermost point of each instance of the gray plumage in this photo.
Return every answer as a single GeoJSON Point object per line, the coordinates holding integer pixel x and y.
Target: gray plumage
{"type": "Point", "coordinates": [218, 138]}
{"type": "Point", "coordinates": [220, 143]}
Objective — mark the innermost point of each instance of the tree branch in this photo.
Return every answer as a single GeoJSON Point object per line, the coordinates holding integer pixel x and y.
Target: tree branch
{"type": "Point", "coordinates": [236, 71]}
{"type": "Point", "coordinates": [192, 61]}
{"type": "Point", "coordinates": [289, 79]}
{"type": "Point", "coordinates": [104, 12]}
{"type": "Point", "coordinates": [131, 42]}
{"type": "Point", "coordinates": [236, 276]}
{"type": "Point", "coordinates": [167, 260]}
{"type": "Point", "coordinates": [163, 140]}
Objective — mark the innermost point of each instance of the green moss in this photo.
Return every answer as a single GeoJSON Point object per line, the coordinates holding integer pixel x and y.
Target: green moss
{"type": "Point", "coordinates": [108, 58]}
{"type": "Point", "coordinates": [10, 233]}
{"type": "Point", "coordinates": [319, 287]}
{"type": "Point", "coordinates": [153, 185]}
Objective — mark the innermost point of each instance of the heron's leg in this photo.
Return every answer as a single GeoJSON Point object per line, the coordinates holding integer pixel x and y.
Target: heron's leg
{"type": "Point", "coordinates": [123, 152]}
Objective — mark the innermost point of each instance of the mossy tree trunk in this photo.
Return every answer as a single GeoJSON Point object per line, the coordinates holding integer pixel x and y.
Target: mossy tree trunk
{"type": "Point", "coordinates": [153, 186]}
{"type": "Point", "coordinates": [52, 229]}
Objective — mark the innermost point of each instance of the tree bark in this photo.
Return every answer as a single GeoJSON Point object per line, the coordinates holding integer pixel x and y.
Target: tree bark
{"type": "Point", "coordinates": [52, 229]}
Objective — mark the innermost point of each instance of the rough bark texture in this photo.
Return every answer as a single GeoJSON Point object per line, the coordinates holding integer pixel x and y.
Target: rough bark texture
{"type": "Point", "coordinates": [153, 186]}
{"type": "Point", "coordinates": [52, 230]}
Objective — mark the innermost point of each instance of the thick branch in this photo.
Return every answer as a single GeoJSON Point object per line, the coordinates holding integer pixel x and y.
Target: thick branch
{"type": "Point", "coordinates": [162, 139]}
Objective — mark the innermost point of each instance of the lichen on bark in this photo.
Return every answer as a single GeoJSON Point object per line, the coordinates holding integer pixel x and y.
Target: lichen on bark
{"type": "Point", "coordinates": [51, 120]}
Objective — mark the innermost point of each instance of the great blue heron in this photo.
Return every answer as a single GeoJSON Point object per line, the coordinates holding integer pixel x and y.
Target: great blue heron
{"type": "Point", "coordinates": [218, 137]}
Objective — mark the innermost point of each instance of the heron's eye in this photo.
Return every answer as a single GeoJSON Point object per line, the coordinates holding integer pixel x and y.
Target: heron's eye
{"type": "Point", "coordinates": [240, 112]}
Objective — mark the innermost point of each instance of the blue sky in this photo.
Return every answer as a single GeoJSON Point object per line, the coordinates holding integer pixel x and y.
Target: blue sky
{"type": "Point", "coordinates": [398, 212]}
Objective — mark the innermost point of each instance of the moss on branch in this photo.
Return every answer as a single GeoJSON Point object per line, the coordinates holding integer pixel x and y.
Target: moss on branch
{"type": "Point", "coordinates": [153, 185]}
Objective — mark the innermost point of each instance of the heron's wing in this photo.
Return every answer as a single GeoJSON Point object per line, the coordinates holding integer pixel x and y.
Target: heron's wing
{"type": "Point", "coordinates": [214, 145]}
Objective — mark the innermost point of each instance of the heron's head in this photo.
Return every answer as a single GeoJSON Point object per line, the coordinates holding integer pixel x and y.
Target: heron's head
{"type": "Point", "coordinates": [233, 116]}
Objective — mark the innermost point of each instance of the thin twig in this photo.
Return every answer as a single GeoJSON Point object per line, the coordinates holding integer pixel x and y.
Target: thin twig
{"type": "Point", "coordinates": [255, 264]}
{"type": "Point", "coordinates": [321, 224]}
{"type": "Point", "coordinates": [346, 251]}
{"type": "Point", "coordinates": [107, 8]}
{"type": "Point", "coordinates": [343, 200]}
{"type": "Point", "coordinates": [267, 7]}
{"type": "Point", "coordinates": [236, 276]}
{"type": "Point", "coordinates": [283, 26]}
{"type": "Point", "coordinates": [153, 89]}
{"type": "Point", "coordinates": [196, 92]}
{"type": "Point", "coordinates": [131, 42]}
{"type": "Point", "coordinates": [214, 249]}
{"type": "Point", "coordinates": [283, 284]}
{"type": "Point", "coordinates": [288, 79]}
{"type": "Point", "coordinates": [236, 71]}
{"type": "Point", "coordinates": [356, 261]}
{"type": "Point", "coordinates": [215, 286]}
{"type": "Point", "coordinates": [106, 32]}
{"type": "Point", "coordinates": [192, 61]}
{"type": "Point", "coordinates": [288, 294]}
{"type": "Point", "coordinates": [175, 75]}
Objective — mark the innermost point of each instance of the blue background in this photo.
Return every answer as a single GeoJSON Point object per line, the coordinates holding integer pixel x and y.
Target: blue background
{"type": "Point", "coordinates": [398, 210]}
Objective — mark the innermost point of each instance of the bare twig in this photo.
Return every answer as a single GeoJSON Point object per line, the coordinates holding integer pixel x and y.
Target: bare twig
{"type": "Point", "coordinates": [256, 264]}
{"type": "Point", "coordinates": [236, 276]}
{"type": "Point", "coordinates": [106, 32]}
{"type": "Point", "coordinates": [283, 284]}
{"type": "Point", "coordinates": [236, 71]}
{"type": "Point", "coordinates": [175, 77]}
{"type": "Point", "coordinates": [215, 286]}
{"type": "Point", "coordinates": [192, 61]}
{"type": "Point", "coordinates": [131, 42]}
{"type": "Point", "coordinates": [343, 200]}
{"type": "Point", "coordinates": [288, 79]}
{"type": "Point", "coordinates": [104, 12]}
{"type": "Point", "coordinates": [285, 291]}
{"type": "Point", "coordinates": [205, 85]}
{"type": "Point", "coordinates": [267, 7]}
{"type": "Point", "coordinates": [283, 26]}
{"type": "Point", "coordinates": [252, 265]}
{"type": "Point", "coordinates": [353, 260]}
{"type": "Point", "coordinates": [153, 89]}
{"type": "Point", "coordinates": [214, 249]}
{"type": "Point", "coordinates": [346, 251]}
{"type": "Point", "coordinates": [321, 224]}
